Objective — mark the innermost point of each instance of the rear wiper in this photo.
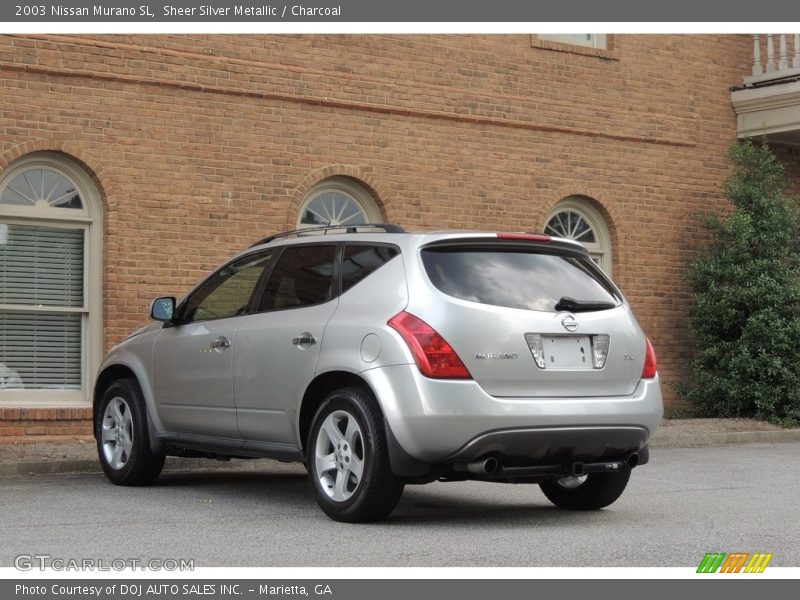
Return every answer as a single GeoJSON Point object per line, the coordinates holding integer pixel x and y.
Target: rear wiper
{"type": "Point", "coordinates": [572, 305]}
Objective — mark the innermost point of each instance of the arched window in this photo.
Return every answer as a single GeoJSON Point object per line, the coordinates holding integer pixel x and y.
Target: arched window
{"type": "Point", "coordinates": [576, 219]}
{"type": "Point", "coordinates": [50, 270]}
{"type": "Point", "coordinates": [338, 201]}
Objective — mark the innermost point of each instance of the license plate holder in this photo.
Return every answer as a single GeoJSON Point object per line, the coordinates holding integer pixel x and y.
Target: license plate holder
{"type": "Point", "coordinates": [567, 351]}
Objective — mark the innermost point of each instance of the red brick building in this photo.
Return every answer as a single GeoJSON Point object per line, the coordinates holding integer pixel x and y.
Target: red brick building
{"type": "Point", "coordinates": [147, 160]}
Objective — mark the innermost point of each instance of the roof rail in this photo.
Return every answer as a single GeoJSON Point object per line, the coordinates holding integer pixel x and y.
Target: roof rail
{"type": "Point", "coordinates": [324, 229]}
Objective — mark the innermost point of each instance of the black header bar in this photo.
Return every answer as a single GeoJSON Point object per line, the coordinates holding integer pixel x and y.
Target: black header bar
{"type": "Point", "coordinates": [746, 12]}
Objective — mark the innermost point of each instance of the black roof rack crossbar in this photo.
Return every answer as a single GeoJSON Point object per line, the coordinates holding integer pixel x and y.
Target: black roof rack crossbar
{"type": "Point", "coordinates": [324, 229]}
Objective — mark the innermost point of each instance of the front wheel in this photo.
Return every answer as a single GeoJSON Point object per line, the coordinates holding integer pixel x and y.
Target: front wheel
{"type": "Point", "coordinates": [348, 461]}
{"type": "Point", "coordinates": [586, 492]}
{"type": "Point", "coordinates": [123, 442]}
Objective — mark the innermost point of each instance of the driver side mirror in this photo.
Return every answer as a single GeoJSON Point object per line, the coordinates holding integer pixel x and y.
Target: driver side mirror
{"type": "Point", "coordinates": [162, 309]}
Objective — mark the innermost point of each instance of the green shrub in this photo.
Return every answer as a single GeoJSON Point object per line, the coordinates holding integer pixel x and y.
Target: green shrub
{"type": "Point", "coordinates": [746, 285]}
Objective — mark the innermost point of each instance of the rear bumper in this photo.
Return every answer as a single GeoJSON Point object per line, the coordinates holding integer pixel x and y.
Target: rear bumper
{"type": "Point", "coordinates": [553, 444]}
{"type": "Point", "coordinates": [436, 421]}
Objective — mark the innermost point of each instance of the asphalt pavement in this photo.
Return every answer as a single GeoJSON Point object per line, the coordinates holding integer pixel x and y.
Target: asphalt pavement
{"type": "Point", "coordinates": [686, 502]}
{"type": "Point", "coordinates": [38, 454]}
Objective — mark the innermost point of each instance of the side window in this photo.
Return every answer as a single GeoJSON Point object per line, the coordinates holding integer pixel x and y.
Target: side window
{"type": "Point", "coordinates": [359, 261]}
{"type": "Point", "coordinates": [227, 293]}
{"type": "Point", "coordinates": [302, 276]}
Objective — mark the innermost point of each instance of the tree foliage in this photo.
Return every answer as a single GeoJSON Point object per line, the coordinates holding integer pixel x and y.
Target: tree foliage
{"type": "Point", "coordinates": [746, 285]}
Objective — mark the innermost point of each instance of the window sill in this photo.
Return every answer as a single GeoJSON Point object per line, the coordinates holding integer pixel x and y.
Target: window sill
{"type": "Point", "coordinates": [36, 400]}
{"type": "Point", "coordinates": [607, 53]}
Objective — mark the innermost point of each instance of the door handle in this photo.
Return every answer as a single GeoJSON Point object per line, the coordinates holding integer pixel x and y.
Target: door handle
{"type": "Point", "coordinates": [221, 343]}
{"type": "Point", "coordinates": [304, 339]}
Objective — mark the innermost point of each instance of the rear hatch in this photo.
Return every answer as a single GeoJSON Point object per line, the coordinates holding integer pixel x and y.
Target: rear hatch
{"type": "Point", "coordinates": [531, 317]}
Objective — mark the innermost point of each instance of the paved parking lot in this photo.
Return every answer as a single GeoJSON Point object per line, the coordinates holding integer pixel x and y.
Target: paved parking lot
{"type": "Point", "coordinates": [686, 502]}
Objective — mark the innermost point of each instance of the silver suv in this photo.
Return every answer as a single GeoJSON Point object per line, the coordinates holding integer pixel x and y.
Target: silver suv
{"type": "Point", "coordinates": [381, 358]}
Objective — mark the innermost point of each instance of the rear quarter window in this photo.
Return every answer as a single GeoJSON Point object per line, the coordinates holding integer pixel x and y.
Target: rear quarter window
{"type": "Point", "coordinates": [360, 260]}
{"type": "Point", "coordinates": [517, 278]}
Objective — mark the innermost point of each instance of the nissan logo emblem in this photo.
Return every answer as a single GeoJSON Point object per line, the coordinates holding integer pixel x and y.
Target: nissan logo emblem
{"type": "Point", "coordinates": [569, 323]}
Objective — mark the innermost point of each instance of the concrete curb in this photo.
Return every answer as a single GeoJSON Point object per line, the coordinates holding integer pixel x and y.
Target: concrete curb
{"type": "Point", "coordinates": [45, 468]}
{"type": "Point", "coordinates": [662, 439]}
{"type": "Point", "coordinates": [173, 464]}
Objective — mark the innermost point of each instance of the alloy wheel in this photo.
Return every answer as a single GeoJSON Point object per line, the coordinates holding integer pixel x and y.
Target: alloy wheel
{"type": "Point", "coordinates": [339, 455]}
{"type": "Point", "coordinates": [117, 433]}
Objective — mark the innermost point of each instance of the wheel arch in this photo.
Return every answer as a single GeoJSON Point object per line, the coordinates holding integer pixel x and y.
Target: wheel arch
{"type": "Point", "coordinates": [114, 372]}
{"type": "Point", "coordinates": [108, 375]}
{"type": "Point", "coordinates": [401, 462]}
{"type": "Point", "coordinates": [322, 385]}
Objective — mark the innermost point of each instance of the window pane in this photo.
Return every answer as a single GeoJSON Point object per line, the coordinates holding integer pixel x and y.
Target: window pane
{"type": "Point", "coordinates": [227, 293]}
{"type": "Point", "coordinates": [60, 193]}
{"type": "Point", "coordinates": [591, 40]}
{"type": "Point", "coordinates": [41, 265]}
{"type": "Point", "coordinates": [359, 261]}
{"type": "Point", "coordinates": [40, 350]}
{"type": "Point", "coordinates": [516, 279]}
{"type": "Point", "coordinates": [574, 37]}
{"type": "Point", "coordinates": [302, 277]}
{"type": "Point", "coordinates": [41, 185]}
{"type": "Point", "coordinates": [333, 208]}
{"type": "Point", "coordinates": [572, 226]}
{"type": "Point", "coordinates": [16, 194]}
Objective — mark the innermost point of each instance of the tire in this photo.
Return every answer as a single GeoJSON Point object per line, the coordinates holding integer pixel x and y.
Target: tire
{"type": "Point", "coordinates": [597, 490]}
{"type": "Point", "coordinates": [123, 441]}
{"type": "Point", "coordinates": [348, 460]}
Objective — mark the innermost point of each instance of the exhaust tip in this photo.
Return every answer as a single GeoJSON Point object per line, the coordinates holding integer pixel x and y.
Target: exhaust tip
{"type": "Point", "coordinates": [487, 466]}
{"type": "Point", "coordinates": [633, 460]}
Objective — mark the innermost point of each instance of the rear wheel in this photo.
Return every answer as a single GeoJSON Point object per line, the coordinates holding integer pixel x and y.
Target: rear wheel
{"type": "Point", "coordinates": [123, 442]}
{"type": "Point", "coordinates": [586, 492]}
{"type": "Point", "coordinates": [348, 461]}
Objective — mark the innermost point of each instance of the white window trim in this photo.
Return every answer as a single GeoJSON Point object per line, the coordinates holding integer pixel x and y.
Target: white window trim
{"type": "Point", "coordinates": [345, 186]}
{"type": "Point", "coordinates": [602, 247]}
{"type": "Point", "coordinates": [90, 219]}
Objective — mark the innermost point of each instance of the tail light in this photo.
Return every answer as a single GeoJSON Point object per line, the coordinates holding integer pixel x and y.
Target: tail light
{"type": "Point", "coordinates": [537, 348]}
{"type": "Point", "coordinates": [649, 370]}
{"type": "Point", "coordinates": [433, 355]}
{"type": "Point", "coordinates": [600, 350]}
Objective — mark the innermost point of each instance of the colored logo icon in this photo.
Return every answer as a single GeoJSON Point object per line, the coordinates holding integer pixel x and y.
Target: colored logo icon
{"type": "Point", "coordinates": [734, 562]}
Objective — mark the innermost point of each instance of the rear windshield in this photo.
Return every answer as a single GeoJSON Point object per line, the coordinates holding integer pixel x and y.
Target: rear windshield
{"type": "Point", "coordinates": [517, 279]}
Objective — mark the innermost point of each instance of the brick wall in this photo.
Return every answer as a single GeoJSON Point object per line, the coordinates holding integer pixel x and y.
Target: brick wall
{"type": "Point", "coordinates": [202, 144]}
{"type": "Point", "coordinates": [36, 424]}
